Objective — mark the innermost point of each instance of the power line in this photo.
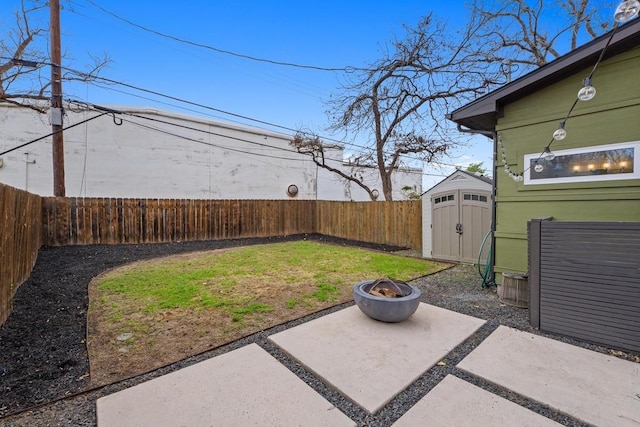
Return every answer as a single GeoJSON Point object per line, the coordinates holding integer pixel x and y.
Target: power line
{"type": "Point", "coordinates": [51, 134]}
{"type": "Point", "coordinates": [233, 138]}
{"type": "Point", "coordinates": [112, 111]}
{"type": "Point", "coordinates": [155, 129]}
{"type": "Point", "coordinates": [107, 111]}
{"type": "Point", "coordinates": [174, 98]}
{"type": "Point", "coordinates": [182, 100]}
{"type": "Point", "coordinates": [208, 143]}
{"type": "Point", "coordinates": [155, 100]}
{"type": "Point", "coordinates": [212, 133]}
{"type": "Point", "coordinates": [347, 69]}
{"type": "Point", "coordinates": [249, 57]}
{"type": "Point", "coordinates": [219, 117]}
{"type": "Point", "coordinates": [324, 138]}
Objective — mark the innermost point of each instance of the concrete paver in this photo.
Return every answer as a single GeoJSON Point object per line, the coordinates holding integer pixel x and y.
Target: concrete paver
{"type": "Point", "coordinates": [369, 361]}
{"type": "Point", "coordinates": [244, 387]}
{"type": "Point", "coordinates": [457, 403]}
{"type": "Point", "coordinates": [590, 386]}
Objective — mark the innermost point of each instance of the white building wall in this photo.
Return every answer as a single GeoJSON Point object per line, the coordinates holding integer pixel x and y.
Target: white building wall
{"type": "Point", "coordinates": [199, 159]}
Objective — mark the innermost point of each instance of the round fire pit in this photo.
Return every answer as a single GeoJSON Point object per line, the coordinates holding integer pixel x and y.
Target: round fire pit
{"type": "Point", "coordinates": [386, 300]}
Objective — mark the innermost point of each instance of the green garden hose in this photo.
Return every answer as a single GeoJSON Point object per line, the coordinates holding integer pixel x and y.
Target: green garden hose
{"type": "Point", "coordinates": [488, 279]}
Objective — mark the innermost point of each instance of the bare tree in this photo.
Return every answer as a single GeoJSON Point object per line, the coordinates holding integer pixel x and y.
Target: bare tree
{"type": "Point", "coordinates": [24, 60]}
{"type": "Point", "coordinates": [399, 102]}
{"type": "Point", "coordinates": [530, 33]}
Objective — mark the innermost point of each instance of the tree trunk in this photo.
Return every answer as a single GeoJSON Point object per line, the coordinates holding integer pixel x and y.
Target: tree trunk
{"type": "Point", "coordinates": [387, 189]}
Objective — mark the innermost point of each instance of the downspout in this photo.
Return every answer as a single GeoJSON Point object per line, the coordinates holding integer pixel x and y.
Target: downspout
{"type": "Point", "coordinates": [494, 136]}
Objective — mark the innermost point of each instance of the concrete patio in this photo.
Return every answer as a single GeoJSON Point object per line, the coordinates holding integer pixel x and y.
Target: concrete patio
{"type": "Point", "coordinates": [370, 362]}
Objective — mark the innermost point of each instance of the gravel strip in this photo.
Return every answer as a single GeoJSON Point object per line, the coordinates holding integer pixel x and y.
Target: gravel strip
{"type": "Point", "coordinates": [62, 275]}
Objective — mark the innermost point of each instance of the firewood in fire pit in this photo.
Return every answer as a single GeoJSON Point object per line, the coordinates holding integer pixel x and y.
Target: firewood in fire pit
{"type": "Point", "coordinates": [386, 289]}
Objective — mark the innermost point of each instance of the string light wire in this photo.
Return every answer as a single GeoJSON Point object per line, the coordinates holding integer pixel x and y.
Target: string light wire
{"type": "Point", "coordinates": [560, 132]}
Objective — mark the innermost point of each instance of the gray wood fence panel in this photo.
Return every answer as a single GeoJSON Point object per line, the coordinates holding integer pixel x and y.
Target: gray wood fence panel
{"type": "Point", "coordinates": [588, 279]}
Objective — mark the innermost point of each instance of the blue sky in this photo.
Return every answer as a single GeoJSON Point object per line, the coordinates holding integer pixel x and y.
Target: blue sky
{"type": "Point", "coordinates": [328, 33]}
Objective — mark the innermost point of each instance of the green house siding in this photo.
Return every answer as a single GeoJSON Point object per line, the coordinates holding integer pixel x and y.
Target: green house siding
{"type": "Point", "coordinates": [511, 233]}
{"type": "Point", "coordinates": [526, 126]}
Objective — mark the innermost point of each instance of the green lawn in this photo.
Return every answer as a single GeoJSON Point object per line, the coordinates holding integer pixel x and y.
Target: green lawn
{"type": "Point", "coordinates": [225, 279]}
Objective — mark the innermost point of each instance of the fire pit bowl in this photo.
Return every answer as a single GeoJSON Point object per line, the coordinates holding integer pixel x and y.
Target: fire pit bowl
{"type": "Point", "coordinates": [402, 303]}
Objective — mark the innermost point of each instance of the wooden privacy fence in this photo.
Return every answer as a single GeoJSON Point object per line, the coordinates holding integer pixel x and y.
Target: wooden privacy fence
{"type": "Point", "coordinates": [84, 221]}
{"type": "Point", "coordinates": [390, 223]}
{"type": "Point", "coordinates": [80, 221]}
{"type": "Point", "coordinates": [20, 228]}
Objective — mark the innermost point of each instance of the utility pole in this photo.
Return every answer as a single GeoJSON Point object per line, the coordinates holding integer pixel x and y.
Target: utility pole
{"type": "Point", "coordinates": [56, 100]}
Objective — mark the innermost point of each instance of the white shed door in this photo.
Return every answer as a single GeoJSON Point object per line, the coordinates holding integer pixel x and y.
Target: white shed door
{"type": "Point", "coordinates": [460, 220]}
{"type": "Point", "coordinates": [444, 219]}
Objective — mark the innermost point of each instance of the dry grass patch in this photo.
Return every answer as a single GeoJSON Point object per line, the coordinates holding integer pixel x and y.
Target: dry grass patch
{"type": "Point", "coordinates": [151, 313]}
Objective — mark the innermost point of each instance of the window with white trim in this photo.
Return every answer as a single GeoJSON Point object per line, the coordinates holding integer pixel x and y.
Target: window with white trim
{"type": "Point", "coordinates": [599, 163]}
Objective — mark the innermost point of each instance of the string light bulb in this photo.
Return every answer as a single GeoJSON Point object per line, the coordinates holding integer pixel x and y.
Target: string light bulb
{"type": "Point", "coordinates": [626, 10]}
{"type": "Point", "coordinates": [587, 92]}
{"type": "Point", "coordinates": [547, 154]}
{"type": "Point", "coordinates": [560, 133]}
{"type": "Point", "coordinates": [517, 177]}
{"type": "Point", "coordinates": [538, 167]}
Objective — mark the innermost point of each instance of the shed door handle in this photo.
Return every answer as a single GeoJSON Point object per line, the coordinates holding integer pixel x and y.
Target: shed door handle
{"type": "Point", "coordinates": [459, 228]}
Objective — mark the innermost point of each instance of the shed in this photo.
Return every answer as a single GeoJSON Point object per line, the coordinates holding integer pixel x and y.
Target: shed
{"type": "Point", "coordinates": [456, 215]}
